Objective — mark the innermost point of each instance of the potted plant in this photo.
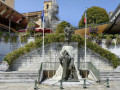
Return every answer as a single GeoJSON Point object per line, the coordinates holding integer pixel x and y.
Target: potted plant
{"type": "Point", "coordinates": [109, 42]}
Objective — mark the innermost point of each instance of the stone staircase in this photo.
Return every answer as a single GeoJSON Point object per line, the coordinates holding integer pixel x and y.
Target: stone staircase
{"type": "Point", "coordinates": [18, 77]}
{"type": "Point", "coordinates": [14, 46]}
{"type": "Point", "coordinates": [112, 75]}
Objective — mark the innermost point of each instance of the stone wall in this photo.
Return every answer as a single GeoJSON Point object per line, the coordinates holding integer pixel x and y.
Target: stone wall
{"type": "Point", "coordinates": [113, 48]}
{"type": "Point", "coordinates": [99, 62]}
{"type": "Point", "coordinates": [32, 60]}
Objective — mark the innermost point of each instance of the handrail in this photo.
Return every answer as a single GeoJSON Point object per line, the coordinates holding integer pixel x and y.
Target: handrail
{"type": "Point", "coordinates": [89, 65]}
{"type": "Point", "coordinates": [94, 70]}
{"type": "Point", "coordinates": [40, 72]}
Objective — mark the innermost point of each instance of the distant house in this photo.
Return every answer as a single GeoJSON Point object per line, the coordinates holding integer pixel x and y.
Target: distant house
{"type": "Point", "coordinates": [115, 19]}
{"type": "Point", "coordinates": [12, 20]}
{"type": "Point", "coordinates": [36, 16]}
{"type": "Point", "coordinates": [9, 18]}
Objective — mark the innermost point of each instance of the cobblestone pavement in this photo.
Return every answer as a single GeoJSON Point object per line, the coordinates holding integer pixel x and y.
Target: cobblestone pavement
{"type": "Point", "coordinates": [114, 85]}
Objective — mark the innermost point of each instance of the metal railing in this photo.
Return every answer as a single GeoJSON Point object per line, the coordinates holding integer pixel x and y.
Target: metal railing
{"type": "Point", "coordinates": [89, 66]}
{"type": "Point", "coordinates": [94, 70]}
{"type": "Point", "coordinates": [54, 66]}
{"type": "Point", "coordinates": [46, 66]}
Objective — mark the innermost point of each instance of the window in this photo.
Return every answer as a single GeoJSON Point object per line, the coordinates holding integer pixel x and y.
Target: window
{"type": "Point", "coordinates": [47, 6]}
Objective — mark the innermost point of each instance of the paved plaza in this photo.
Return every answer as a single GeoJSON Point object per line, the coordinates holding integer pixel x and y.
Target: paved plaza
{"type": "Point", "coordinates": [114, 85]}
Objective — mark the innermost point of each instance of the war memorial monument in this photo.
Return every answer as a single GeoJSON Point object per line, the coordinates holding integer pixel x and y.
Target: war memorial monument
{"type": "Point", "coordinates": [38, 58]}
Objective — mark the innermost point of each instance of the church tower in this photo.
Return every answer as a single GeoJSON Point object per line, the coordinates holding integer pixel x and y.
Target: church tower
{"type": "Point", "coordinates": [47, 6]}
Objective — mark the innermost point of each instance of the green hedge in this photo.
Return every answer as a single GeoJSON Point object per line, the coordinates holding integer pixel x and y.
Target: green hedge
{"type": "Point", "coordinates": [10, 57]}
{"type": "Point", "coordinates": [118, 41]}
{"type": "Point", "coordinates": [60, 38]}
{"type": "Point", "coordinates": [104, 53]}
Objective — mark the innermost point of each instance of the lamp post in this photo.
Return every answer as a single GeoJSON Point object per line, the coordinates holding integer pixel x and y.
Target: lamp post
{"type": "Point", "coordinates": [9, 25]}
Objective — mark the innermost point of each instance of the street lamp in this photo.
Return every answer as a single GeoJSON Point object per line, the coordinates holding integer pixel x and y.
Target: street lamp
{"type": "Point", "coordinates": [9, 25]}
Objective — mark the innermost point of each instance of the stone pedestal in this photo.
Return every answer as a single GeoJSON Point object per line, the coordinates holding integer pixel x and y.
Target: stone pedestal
{"type": "Point", "coordinates": [4, 66]}
{"type": "Point", "coordinates": [67, 70]}
{"type": "Point", "coordinates": [31, 39]}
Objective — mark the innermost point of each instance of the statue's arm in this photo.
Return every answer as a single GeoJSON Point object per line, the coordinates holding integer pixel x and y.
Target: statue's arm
{"type": "Point", "coordinates": [61, 60]}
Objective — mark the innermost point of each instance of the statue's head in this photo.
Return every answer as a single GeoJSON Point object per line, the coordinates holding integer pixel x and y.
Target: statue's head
{"type": "Point", "coordinates": [68, 24]}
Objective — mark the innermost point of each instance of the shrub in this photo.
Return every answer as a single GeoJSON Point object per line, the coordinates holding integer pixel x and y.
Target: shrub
{"type": "Point", "coordinates": [116, 35]}
{"type": "Point", "coordinates": [6, 38]}
{"type": "Point", "coordinates": [13, 39]}
{"type": "Point", "coordinates": [104, 53]}
{"type": "Point", "coordinates": [98, 41]}
{"type": "Point", "coordinates": [118, 41]}
{"type": "Point", "coordinates": [100, 36]}
{"type": "Point", "coordinates": [1, 33]}
{"type": "Point", "coordinates": [105, 36]}
{"type": "Point", "coordinates": [109, 41]}
{"type": "Point", "coordinates": [24, 38]}
{"type": "Point", "coordinates": [60, 38]}
{"type": "Point", "coordinates": [110, 35]}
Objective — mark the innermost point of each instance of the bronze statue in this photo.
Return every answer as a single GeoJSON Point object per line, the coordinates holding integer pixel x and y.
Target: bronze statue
{"type": "Point", "coordinates": [68, 32]}
{"type": "Point", "coordinates": [66, 59]}
{"type": "Point", "coordinates": [69, 71]}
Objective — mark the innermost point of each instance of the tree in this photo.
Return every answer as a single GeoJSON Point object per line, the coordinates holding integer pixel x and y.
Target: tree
{"type": "Point", "coordinates": [95, 15]}
{"type": "Point", "coordinates": [61, 26]}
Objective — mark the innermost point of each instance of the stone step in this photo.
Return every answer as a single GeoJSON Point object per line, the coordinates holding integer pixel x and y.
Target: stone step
{"type": "Point", "coordinates": [8, 78]}
{"type": "Point", "coordinates": [112, 75]}
{"type": "Point", "coordinates": [109, 72]}
{"type": "Point", "coordinates": [17, 72]}
{"type": "Point", "coordinates": [18, 77]}
{"type": "Point", "coordinates": [18, 81]}
{"type": "Point", "coordinates": [111, 79]}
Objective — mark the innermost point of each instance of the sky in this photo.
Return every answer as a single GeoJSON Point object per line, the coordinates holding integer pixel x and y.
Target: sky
{"type": "Point", "coordinates": [69, 10]}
